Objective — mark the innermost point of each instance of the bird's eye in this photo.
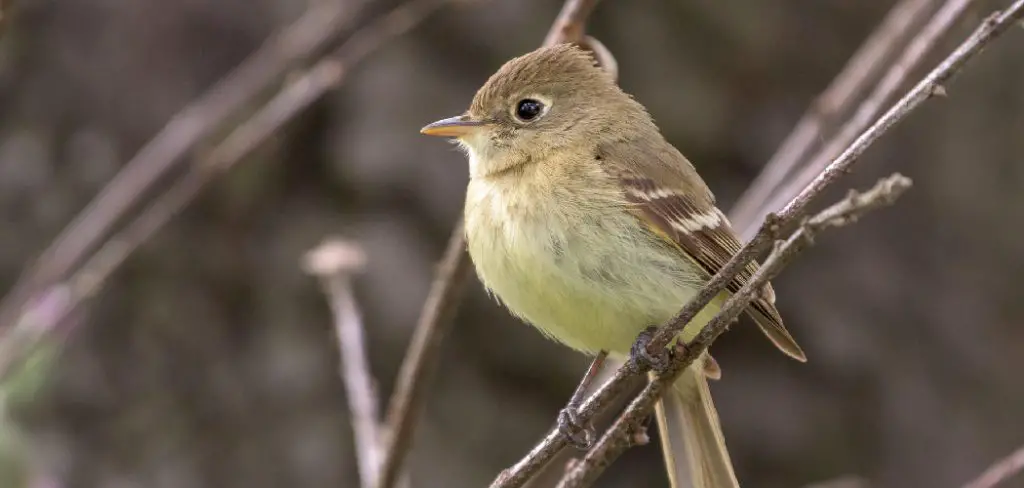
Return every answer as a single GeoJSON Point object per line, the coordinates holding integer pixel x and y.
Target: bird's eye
{"type": "Point", "coordinates": [528, 109]}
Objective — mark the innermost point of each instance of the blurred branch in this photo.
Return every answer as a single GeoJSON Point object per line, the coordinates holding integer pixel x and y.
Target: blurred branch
{"type": "Point", "coordinates": [770, 230]}
{"type": "Point", "coordinates": [179, 137]}
{"type": "Point", "coordinates": [1001, 471]}
{"type": "Point", "coordinates": [200, 119]}
{"type": "Point", "coordinates": [618, 437]}
{"type": "Point", "coordinates": [334, 262]}
{"type": "Point", "coordinates": [436, 318]}
{"type": "Point", "coordinates": [421, 359]}
{"type": "Point", "coordinates": [170, 144]}
{"type": "Point", "coordinates": [910, 60]}
{"type": "Point", "coordinates": [860, 71]}
{"type": "Point", "coordinates": [571, 22]}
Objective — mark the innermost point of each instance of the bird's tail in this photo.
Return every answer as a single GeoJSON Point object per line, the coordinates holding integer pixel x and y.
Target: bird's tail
{"type": "Point", "coordinates": [691, 436]}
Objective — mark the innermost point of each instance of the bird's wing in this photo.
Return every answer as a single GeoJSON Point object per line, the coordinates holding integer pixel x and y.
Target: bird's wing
{"type": "Point", "coordinates": [669, 198]}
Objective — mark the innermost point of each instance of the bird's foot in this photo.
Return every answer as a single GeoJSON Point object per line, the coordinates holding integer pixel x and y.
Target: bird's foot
{"type": "Point", "coordinates": [580, 434]}
{"type": "Point", "coordinates": [642, 359]}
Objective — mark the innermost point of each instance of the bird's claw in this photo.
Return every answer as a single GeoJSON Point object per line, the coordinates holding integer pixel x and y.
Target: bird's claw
{"type": "Point", "coordinates": [640, 357]}
{"type": "Point", "coordinates": [580, 435]}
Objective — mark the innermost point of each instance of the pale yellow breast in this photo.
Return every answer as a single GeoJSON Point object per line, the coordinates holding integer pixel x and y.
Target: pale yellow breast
{"type": "Point", "coordinates": [567, 258]}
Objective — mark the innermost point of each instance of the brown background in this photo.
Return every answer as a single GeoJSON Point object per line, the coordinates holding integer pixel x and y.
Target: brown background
{"type": "Point", "coordinates": [208, 361]}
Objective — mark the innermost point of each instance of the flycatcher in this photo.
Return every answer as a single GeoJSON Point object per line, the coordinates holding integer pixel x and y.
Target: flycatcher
{"type": "Point", "coordinates": [585, 222]}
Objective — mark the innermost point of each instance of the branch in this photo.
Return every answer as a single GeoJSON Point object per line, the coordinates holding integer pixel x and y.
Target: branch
{"type": "Point", "coordinates": [618, 437]}
{"type": "Point", "coordinates": [197, 121]}
{"type": "Point", "coordinates": [280, 109]}
{"type": "Point", "coordinates": [897, 74]}
{"type": "Point", "coordinates": [860, 71]}
{"type": "Point", "coordinates": [1001, 471]}
{"type": "Point", "coordinates": [436, 318]}
{"type": "Point", "coordinates": [995, 25]}
{"type": "Point", "coordinates": [334, 262]}
{"type": "Point", "coordinates": [571, 22]}
{"type": "Point", "coordinates": [421, 358]}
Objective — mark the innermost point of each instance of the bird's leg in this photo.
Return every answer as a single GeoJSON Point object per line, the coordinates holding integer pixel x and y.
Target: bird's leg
{"type": "Point", "coordinates": [580, 434]}
{"type": "Point", "coordinates": [641, 358]}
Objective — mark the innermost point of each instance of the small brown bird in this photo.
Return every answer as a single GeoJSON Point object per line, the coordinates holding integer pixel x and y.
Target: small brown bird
{"type": "Point", "coordinates": [585, 222]}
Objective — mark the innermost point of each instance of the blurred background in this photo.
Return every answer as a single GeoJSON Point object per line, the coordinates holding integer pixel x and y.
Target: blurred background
{"type": "Point", "coordinates": [209, 359]}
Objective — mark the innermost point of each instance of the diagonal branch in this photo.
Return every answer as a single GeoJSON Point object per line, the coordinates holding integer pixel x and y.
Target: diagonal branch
{"type": "Point", "coordinates": [770, 231]}
{"type": "Point", "coordinates": [421, 358]}
{"type": "Point", "coordinates": [860, 71]}
{"type": "Point", "coordinates": [617, 439]}
{"type": "Point", "coordinates": [868, 110]}
{"type": "Point", "coordinates": [1001, 471]}
{"type": "Point", "coordinates": [17, 341]}
{"type": "Point", "coordinates": [200, 119]}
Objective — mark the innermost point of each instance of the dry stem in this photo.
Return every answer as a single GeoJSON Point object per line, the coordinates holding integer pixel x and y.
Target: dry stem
{"type": "Point", "coordinates": [201, 118]}
{"type": "Point", "coordinates": [334, 262]}
{"type": "Point", "coordinates": [910, 60]}
{"type": "Point", "coordinates": [1001, 471]}
{"type": "Point", "coordinates": [860, 71]}
{"type": "Point", "coordinates": [421, 358]}
{"type": "Point", "coordinates": [329, 73]}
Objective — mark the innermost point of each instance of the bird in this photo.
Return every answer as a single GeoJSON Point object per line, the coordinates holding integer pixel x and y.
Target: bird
{"type": "Point", "coordinates": [585, 222]}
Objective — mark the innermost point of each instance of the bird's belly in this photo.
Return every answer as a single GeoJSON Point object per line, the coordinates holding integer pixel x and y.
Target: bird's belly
{"type": "Point", "coordinates": [593, 285]}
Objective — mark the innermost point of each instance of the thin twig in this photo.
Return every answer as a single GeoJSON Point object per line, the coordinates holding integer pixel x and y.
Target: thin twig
{"type": "Point", "coordinates": [436, 317]}
{"type": "Point", "coordinates": [995, 25]}
{"type": "Point", "coordinates": [334, 262]}
{"type": "Point", "coordinates": [289, 102]}
{"type": "Point", "coordinates": [910, 60]}
{"type": "Point", "coordinates": [421, 359]}
{"type": "Point", "coordinates": [860, 71]}
{"type": "Point", "coordinates": [197, 121]}
{"type": "Point", "coordinates": [571, 22]}
{"type": "Point", "coordinates": [1001, 471]}
{"type": "Point", "coordinates": [617, 439]}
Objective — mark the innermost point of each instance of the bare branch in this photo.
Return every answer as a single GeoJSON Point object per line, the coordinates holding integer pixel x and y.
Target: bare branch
{"type": "Point", "coordinates": [865, 114]}
{"type": "Point", "coordinates": [571, 22]}
{"type": "Point", "coordinates": [421, 357]}
{"type": "Point", "coordinates": [618, 438]}
{"type": "Point", "coordinates": [436, 317]}
{"type": "Point", "coordinates": [170, 145]}
{"type": "Point", "coordinates": [994, 26]}
{"type": "Point", "coordinates": [1001, 471]}
{"type": "Point", "coordinates": [860, 71]}
{"type": "Point", "coordinates": [334, 262]}
{"type": "Point", "coordinates": [201, 118]}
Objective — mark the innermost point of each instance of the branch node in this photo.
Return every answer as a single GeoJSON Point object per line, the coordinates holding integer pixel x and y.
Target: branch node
{"type": "Point", "coordinates": [638, 435]}
{"type": "Point", "coordinates": [773, 223]}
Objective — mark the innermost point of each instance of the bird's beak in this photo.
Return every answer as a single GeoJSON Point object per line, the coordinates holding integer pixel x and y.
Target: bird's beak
{"type": "Point", "coordinates": [452, 127]}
